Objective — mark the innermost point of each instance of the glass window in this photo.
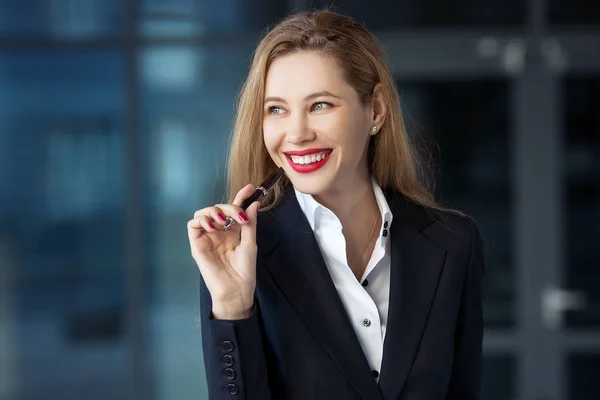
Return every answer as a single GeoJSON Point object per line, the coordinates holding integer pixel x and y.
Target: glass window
{"type": "Point", "coordinates": [61, 18]}
{"type": "Point", "coordinates": [582, 171]}
{"type": "Point", "coordinates": [498, 377]}
{"type": "Point", "coordinates": [583, 383]}
{"type": "Point", "coordinates": [574, 12]}
{"type": "Point", "coordinates": [465, 126]}
{"type": "Point", "coordinates": [61, 226]}
{"type": "Point", "coordinates": [187, 18]}
{"type": "Point", "coordinates": [188, 96]}
{"type": "Point", "coordinates": [392, 14]}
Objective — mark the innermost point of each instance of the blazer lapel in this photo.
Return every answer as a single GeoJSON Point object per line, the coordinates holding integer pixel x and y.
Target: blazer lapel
{"type": "Point", "coordinates": [416, 266]}
{"type": "Point", "coordinates": [299, 270]}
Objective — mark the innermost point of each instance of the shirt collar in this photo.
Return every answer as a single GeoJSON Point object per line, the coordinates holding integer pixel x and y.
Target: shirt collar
{"type": "Point", "coordinates": [317, 214]}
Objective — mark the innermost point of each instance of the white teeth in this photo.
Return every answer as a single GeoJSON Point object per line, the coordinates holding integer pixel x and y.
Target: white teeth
{"type": "Point", "coordinates": [303, 160]}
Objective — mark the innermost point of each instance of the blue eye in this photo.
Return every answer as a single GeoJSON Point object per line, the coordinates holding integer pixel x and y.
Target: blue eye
{"type": "Point", "coordinates": [275, 110]}
{"type": "Point", "coordinates": [320, 106]}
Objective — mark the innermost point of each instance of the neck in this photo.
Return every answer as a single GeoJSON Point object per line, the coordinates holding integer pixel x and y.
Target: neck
{"type": "Point", "coordinates": [353, 202]}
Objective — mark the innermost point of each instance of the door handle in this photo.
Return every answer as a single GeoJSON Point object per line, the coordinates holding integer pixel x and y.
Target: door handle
{"type": "Point", "coordinates": [555, 301]}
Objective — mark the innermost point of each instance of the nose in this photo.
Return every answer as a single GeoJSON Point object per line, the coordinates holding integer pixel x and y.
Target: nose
{"type": "Point", "coordinates": [298, 131]}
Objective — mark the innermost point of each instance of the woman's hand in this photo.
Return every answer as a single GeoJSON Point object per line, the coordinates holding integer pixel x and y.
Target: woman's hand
{"type": "Point", "coordinates": [227, 259]}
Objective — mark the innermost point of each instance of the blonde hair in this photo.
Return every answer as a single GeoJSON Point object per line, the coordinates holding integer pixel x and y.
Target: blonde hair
{"type": "Point", "coordinates": [392, 158]}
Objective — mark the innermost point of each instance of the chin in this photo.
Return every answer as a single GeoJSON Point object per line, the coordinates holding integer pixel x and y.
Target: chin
{"type": "Point", "coordinates": [310, 186]}
{"type": "Point", "coordinates": [316, 182]}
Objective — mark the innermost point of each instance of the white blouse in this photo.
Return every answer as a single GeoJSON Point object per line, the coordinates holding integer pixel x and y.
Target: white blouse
{"type": "Point", "coordinates": [366, 301]}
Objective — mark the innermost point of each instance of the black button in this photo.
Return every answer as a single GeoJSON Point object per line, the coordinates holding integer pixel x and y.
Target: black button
{"type": "Point", "coordinates": [228, 360]}
{"type": "Point", "coordinates": [228, 346]}
{"type": "Point", "coordinates": [365, 283]}
{"type": "Point", "coordinates": [233, 389]}
{"type": "Point", "coordinates": [366, 322]}
{"type": "Point", "coordinates": [375, 374]}
{"type": "Point", "coordinates": [384, 232]}
{"type": "Point", "coordinates": [385, 225]}
{"type": "Point", "coordinates": [229, 373]}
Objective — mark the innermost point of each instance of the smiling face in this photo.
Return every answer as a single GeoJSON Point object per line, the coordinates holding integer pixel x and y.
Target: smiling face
{"type": "Point", "coordinates": [315, 125]}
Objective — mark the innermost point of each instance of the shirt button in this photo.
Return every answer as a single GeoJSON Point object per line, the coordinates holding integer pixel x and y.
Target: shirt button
{"type": "Point", "coordinates": [375, 373]}
{"type": "Point", "coordinates": [233, 389]}
{"type": "Point", "coordinates": [385, 232]}
{"type": "Point", "coordinates": [385, 225]}
{"type": "Point", "coordinates": [366, 322]}
{"type": "Point", "coordinates": [365, 283]}
{"type": "Point", "coordinates": [227, 346]}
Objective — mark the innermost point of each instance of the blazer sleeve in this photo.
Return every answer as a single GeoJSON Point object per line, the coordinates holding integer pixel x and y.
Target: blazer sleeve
{"type": "Point", "coordinates": [465, 381]}
{"type": "Point", "coordinates": [233, 354]}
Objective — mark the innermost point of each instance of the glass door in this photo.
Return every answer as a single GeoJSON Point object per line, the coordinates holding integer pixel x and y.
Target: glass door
{"type": "Point", "coordinates": [460, 112]}
{"type": "Point", "coordinates": [574, 308]}
{"type": "Point", "coordinates": [558, 136]}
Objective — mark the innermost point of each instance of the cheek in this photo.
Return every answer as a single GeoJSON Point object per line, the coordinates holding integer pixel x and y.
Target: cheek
{"type": "Point", "coordinates": [345, 132]}
{"type": "Point", "coordinates": [270, 137]}
{"type": "Point", "coordinates": [357, 131]}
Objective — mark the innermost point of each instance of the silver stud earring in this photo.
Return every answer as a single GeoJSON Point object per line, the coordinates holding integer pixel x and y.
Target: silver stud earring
{"type": "Point", "coordinates": [374, 129]}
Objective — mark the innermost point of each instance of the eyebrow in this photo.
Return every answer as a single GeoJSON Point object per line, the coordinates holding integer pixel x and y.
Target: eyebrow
{"type": "Point", "coordinates": [309, 97]}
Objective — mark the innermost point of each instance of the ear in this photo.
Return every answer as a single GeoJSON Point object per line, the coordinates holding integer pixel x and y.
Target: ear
{"type": "Point", "coordinates": [378, 108]}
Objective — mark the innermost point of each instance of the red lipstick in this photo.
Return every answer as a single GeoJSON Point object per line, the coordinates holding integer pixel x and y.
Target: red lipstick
{"type": "Point", "coordinates": [305, 152]}
{"type": "Point", "coordinates": [307, 168]}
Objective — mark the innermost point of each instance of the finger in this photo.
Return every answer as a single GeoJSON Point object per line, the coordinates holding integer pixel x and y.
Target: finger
{"type": "Point", "coordinates": [214, 212]}
{"type": "Point", "coordinates": [203, 223]}
{"type": "Point", "coordinates": [248, 230]}
{"type": "Point", "coordinates": [207, 223]}
{"type": "Point", "coordinates": [235, 212]}
{"type": "Point", "coordinates": [194, 229]}
{"type": "Point", "coordinates": [243, 194]}
{"type": "Point", "coordinates": [220, 212]}
{"type": "Point", "coordinates": [194, 223]}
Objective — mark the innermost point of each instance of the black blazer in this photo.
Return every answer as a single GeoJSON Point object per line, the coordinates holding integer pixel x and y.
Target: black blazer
{"type": "Point", "coordinates": [299, 343]}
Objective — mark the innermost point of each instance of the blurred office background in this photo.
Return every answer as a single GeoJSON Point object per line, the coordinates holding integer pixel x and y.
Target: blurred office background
{"type": "Point", "coordinates": [114, 121]}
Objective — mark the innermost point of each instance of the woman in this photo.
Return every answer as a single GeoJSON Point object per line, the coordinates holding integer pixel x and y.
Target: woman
{"type": "Point", "coordinates": [351, 283]}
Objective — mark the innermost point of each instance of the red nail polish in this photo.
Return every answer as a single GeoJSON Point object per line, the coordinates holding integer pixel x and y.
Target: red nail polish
{"type": "Point", "coordinates": [211, 225]}
{"type": "Point", "coordinates": [221, 217]}
{"type": "Point", "coordinates": [243, 217]}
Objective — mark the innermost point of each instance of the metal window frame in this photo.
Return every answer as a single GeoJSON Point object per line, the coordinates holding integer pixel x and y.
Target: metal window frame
{"type": "Point", "coordinates": [422, 55]}
{"type": "Point", "coordinates": [136, 273]}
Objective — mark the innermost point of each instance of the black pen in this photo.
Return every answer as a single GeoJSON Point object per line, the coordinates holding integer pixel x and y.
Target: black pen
{"type": "Point", "coordinates": [260, 192]}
